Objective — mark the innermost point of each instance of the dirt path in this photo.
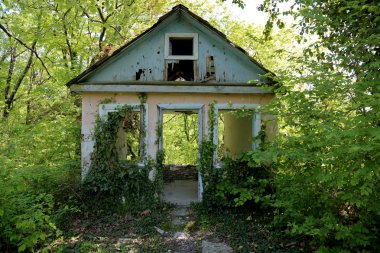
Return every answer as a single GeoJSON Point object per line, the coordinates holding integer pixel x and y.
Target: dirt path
{"type": "Point", "coordinates": [183, 238]}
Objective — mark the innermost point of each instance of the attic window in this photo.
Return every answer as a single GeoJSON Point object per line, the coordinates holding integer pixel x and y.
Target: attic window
{"type": "Point", "coordinates": [181, 46]}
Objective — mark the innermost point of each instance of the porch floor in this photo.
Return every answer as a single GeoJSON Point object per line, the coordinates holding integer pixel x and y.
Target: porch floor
{"type": "Point", "coordinates": [181, 192]}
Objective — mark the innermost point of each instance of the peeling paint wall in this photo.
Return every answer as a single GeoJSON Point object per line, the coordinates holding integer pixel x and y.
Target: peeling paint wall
{"type": "Point", "coordinates": [237, 135]}
{"type": "Point", "coordinates": [145, 60]}
{"type": "Point", "coordinates": [90, 110]}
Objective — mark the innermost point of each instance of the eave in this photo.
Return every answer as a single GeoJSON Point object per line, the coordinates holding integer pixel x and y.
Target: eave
{"type": "Point", "coordinates": [171, 87]}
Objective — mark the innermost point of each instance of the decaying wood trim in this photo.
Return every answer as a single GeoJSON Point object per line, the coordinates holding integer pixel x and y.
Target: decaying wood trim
{"type": "Point", "coordinates": [224, 89]}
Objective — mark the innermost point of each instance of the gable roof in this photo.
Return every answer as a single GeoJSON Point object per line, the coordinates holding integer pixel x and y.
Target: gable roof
{"type": "Point", "coordinates": [177, 9]}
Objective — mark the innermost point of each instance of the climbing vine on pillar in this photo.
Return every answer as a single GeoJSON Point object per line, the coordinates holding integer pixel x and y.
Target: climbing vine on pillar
{"type": "Point", "coordinates": [206, 159]}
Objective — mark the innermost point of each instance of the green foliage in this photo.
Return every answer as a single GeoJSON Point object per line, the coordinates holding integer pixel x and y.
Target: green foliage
{"type": "Point", "coordinates": [325, 160]}
{"type": "Point", "coordinates": [39, 168]}
{"type": "Point", "coordinates": [235, 183]}
{"type": "Point", "coordinates": [206, 159]}
{"type": "Point", "coordinates": [40, 131]}
{"type": "Point", "coordinates": [207, 170]}
{"type": "Point", "coordinates": [26, 221]}
{"type": "Point", "coordinates": [106, 175]}
{"type": "Point", "coordinates": [326, 156]}
{"type": "Point", "coordinates": [180, 135]}
{"type": "Point", "coordinates": [239, 184]}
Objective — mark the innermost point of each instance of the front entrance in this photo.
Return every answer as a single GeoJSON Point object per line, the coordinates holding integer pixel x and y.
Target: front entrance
{"type": "Point", "coordinates": [180, 140]}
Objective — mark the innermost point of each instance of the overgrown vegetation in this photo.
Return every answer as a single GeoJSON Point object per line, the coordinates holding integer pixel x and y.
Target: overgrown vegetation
{"type": "Point", "coordinates": [233, 225]}
{"type": "Point", "coordinates": [121, 179]}
{"type": "Point", "coordinates": [326, 156]}
{"type": "Point", "coordinates": [233, 182]}
{"type": "Point", "coordinates": [39, 166]}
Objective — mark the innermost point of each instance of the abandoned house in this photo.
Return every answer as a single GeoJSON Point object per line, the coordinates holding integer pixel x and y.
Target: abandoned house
{"type": "Point", "coordinates": [182, 65]}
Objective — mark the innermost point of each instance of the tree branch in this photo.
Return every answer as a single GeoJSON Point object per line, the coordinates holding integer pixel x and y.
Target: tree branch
{"type": "Point", "coordinates": [10, 35]}
{"type": "Point", "coordinates": [10, 73]}
{"type": "Point", "coordinates": [9, 101]}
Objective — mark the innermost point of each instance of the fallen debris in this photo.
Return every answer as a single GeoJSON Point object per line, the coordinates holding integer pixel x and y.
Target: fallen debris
{"type": "Point", "coordinates": [161, 232]}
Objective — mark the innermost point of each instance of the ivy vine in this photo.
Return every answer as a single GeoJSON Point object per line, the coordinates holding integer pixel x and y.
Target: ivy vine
{"type": "Point", "coordinates": [206, 160]}
{"type": "Point", "coordinates": [110, 176]}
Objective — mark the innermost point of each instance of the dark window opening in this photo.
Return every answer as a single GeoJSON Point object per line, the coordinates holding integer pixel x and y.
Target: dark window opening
{"type": "Point", "coordinates": [180, 70]}
{"type": "Point", "coordinates": [181, 46]}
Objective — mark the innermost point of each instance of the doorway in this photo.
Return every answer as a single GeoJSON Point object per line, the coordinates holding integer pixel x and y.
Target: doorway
{"type": "Point", "coordinates": [180, 139]}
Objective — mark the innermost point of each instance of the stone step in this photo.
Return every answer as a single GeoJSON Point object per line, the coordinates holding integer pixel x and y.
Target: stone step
{"type": "Point", "coordinates": [212, 247]}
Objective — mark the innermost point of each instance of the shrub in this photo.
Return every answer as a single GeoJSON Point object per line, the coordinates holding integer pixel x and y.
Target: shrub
{"type": "Point", "coordinates": [26, 220]}
{"type": "Point", "coordinates": [236, 183]}
{"type": "Point", "coordinates": [39, 170]}
{"type": "Point", "coordinates": [326, 163]}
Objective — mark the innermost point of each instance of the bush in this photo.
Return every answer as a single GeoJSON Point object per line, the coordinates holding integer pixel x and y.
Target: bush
{"type": "Point", "coordinates": [29, 200]}
{"type": "Point", "coordinates": [326, 163]}
{"type": "Point", "coordinates": [236, 183]}
{"type": "Point", "coordinates": [26, 220]}
{"type": "Point", "coordinates": [239, 184]}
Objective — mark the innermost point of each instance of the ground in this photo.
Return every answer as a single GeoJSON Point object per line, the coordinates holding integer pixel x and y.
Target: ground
{"type": "Point", "coordinates": [173, 229]}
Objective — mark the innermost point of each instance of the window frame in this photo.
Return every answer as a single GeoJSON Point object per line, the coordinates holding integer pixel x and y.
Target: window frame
{"type": "Point", "coordinates": [105, 109]}
{"type": "Point", "coordinates": [168, 56]}
{"type": "Point", "coordinates": [256, 125]}
{"type": "Point", "coordinates": [178, 107]}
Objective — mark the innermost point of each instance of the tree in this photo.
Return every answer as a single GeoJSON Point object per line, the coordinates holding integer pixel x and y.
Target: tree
{"type": "Point", "coordinates": [326, 155]}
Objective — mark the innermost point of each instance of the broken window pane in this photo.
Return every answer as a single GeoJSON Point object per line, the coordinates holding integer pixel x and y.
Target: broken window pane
{"type": "Point", "coordinates": [210, 67]}
{"type": "Point", "coordinates": [178, 70]}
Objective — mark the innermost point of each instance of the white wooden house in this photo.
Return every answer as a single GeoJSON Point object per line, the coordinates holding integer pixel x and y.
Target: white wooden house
{"type": "Point", "coordinates": [181, 63]}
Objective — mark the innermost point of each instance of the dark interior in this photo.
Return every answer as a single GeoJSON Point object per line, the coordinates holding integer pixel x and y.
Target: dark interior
{"type": "Point", "coordinates": [183, 69]}
{"type": "Point", "coordinates": [181, 46]}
